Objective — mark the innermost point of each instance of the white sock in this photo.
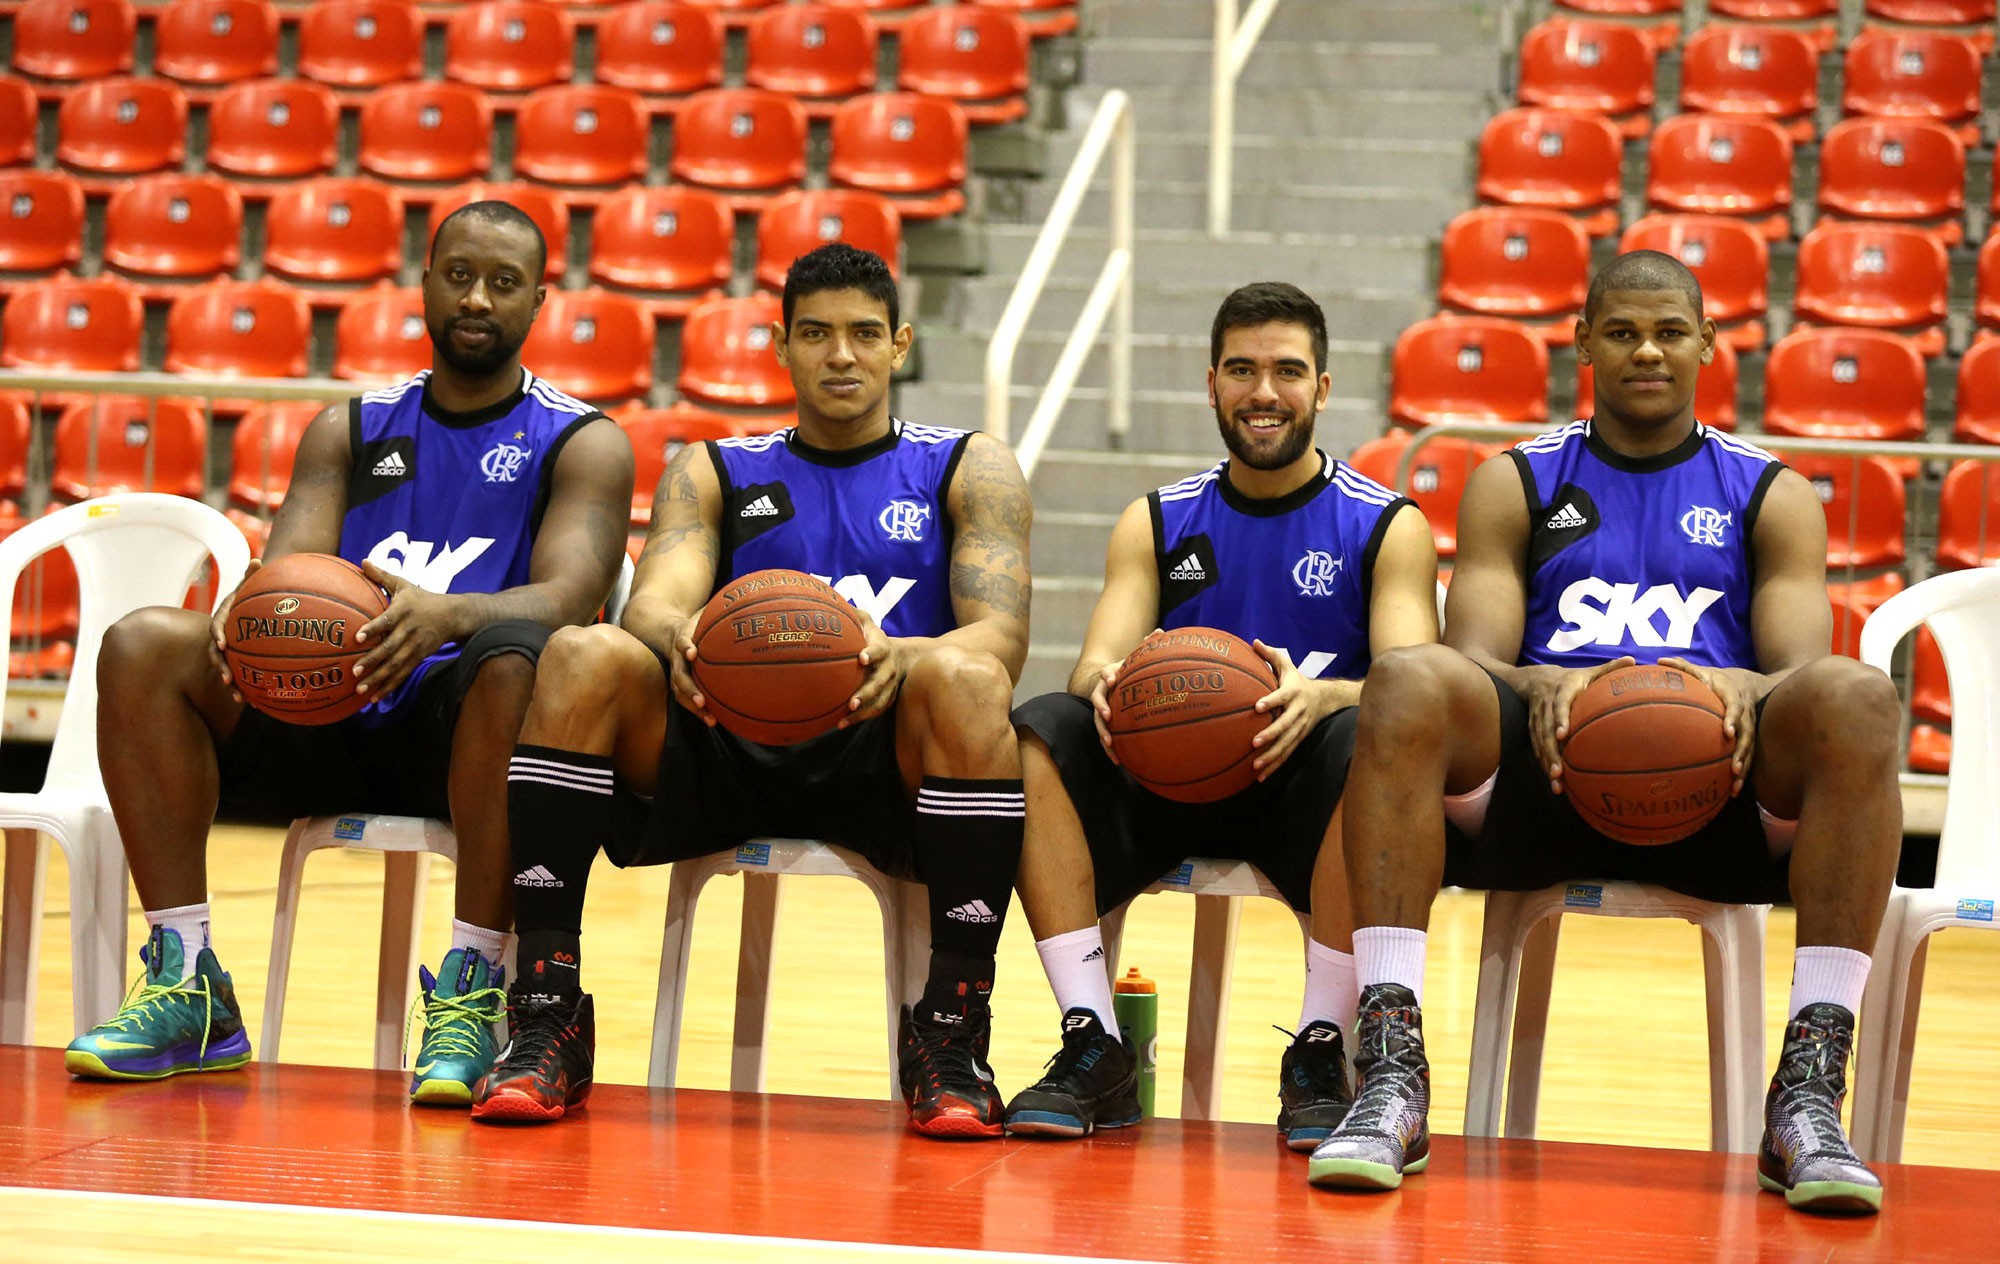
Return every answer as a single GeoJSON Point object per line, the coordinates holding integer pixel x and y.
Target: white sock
{"type": "Point", "coordinates": [1391, 954]}
{"type": "Point", "coordinates": [1332, 987]}
{"type": "Point", "coordinates": [190, 922]}
{"type": "Point", "coordinates": [490, 944]}
{"type": "Point", "coordinates": [1836, 976]}
{"type": "Point", "coordinates": [1075, 965]}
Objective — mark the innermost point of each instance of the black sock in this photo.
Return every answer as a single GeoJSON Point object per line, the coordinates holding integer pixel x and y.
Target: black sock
{"type": "Point", "coordinates": [559, 810]}
{"type": "Point", "coordinates": [968, 847]}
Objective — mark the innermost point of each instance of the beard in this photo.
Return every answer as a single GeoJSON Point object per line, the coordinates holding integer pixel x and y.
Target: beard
{"type": "Point", "coordinates": [491, 359]}
{"type": "Point", "coordinates": [1288, 447]}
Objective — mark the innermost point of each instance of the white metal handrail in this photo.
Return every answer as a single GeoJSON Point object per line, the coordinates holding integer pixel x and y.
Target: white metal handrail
{"type": "Point", "coordinates": [1233, 45]}
{"type": "Point", "coordinates": [1110, 131]}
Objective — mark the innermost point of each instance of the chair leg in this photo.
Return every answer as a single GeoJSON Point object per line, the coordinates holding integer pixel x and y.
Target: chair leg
{"type": "Point", "coordinates": [1493, 1014]}
{"type": "Point", "coordinates": [284, 926]}
{"type": "Point", "coordinates": [98, 951]}
{"type": "Point", "coordinates": [1729, 952]}
{"type": "Point", "coordinates": [1535, 977]}
{"type": "Point", "coordinates": [1881, 1039]}
{"type": "Point", "coordinates": [683, 889]}
{"type": "Point", "coordinates": [753, 982]}
{"type": "Point", "coordinates": [1111, 927]}
{"type": "Point", "coordinates": [21, 938]}
{"type": "Point", "coordinates": [1215, 920]}
{"type": "Point", "coordinates": [1897, 1105]}
{"type": "Point", "coordinates": [906, 943]}
{"type": "Point", "coordinates": [403, 874]}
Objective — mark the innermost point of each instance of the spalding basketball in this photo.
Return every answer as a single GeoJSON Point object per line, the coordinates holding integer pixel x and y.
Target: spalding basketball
{"type": "Point", "coordinates": [776, 657]}
{"type": "Point", "coordinates": [1646, 760]}
{"type": "Point", "coordinates": [1183, 712]}
{"type": "Point", "coordinates": [289, 639]}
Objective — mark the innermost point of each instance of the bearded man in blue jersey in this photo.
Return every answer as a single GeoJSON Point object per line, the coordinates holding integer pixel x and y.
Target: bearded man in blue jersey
{"type": "Point", "coordinates": [1637, 535]}
{"type": "Point", "coordinates": [492, 508]}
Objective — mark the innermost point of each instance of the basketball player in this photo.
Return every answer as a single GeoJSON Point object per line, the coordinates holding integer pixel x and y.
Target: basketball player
{"type": "Point", "coordinates": [925, 530]}
{"type": "Point", "coordinates": [1639, 535]}
{"type": "Point", "coordinates": [1279, 542]}
{"type": "Point", "coordinates": [492, 508]}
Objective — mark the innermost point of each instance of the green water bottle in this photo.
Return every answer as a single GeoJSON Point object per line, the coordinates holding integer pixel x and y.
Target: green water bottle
{"type": "Point", "coordinates": [1137, 1002]}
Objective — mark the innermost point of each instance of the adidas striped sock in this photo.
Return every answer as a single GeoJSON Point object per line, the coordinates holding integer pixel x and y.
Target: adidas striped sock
{"type": "Point", "coordinates": [968, 846]}
{"type": "Point", "coordinates": [559, 811]}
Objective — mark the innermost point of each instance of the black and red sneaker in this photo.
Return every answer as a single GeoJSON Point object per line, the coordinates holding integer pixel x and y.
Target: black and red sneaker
{"type": "Point", "coordinates": [545, 1069]}
{"type": "Point", "coordinates": [946, 1082]}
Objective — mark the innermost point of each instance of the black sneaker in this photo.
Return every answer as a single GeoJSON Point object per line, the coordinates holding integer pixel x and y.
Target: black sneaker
{"type": "Point", "coordinates": [545, 1069]}
{"type": "Point", "coordinates": [946, 1082]}
{"type": "Point", "coordinates": [1313, 1095]}
{"type": "Point", "coordinates": [1805, 1155]}
{"type": "Point", "coordinates": [1092, 1082]}
{"type": "Point", "coordinates": [1386, 1133]}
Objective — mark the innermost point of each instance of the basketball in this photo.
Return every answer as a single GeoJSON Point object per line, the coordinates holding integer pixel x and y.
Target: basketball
{"type": "Point", "coordinates": [775, 657]}
{"type": "Point", "coordinates": [289, 639]}
{"type": "Point", "coordinates": [1646, 761]}
{"type": "Point", "coordinates": [1183, 712]}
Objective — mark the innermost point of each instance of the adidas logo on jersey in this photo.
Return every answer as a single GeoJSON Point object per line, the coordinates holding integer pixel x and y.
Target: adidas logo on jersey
{"type": "Point", "coordinates": [1567, 516]}
{"type": "Point", "coordinates": [975, 911]}
{"type": "Point", "coordinates": [759, 508]}
{"type": "Point", "coordinates": [1188, 567]}
{"type": "Point", "coordinates": [391, 466]}
{"type": "Point", "coordinates": [539, 876]}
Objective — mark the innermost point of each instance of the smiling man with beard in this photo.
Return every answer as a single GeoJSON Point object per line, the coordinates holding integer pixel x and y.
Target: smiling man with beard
{"type": "Point", "coordinates": [492, 508]}
{"type": "Point", "coordinates": [1322, 569]}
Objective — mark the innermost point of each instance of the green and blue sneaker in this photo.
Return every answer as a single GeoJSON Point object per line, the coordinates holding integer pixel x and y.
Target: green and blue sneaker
{"type": "Point", "coordinates": [166, 1028]}
{"type": "Point", "coordinates": [460, 1011]}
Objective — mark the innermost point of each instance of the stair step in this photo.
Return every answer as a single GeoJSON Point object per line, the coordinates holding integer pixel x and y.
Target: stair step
{"type": "Point", "coordinates": [1324, 160]}
{"type": "Point", "coordinates": [1273, 208]}
{"type": "Point", "coordinates": [1190, 256]}
{"type": "Point", "coordinates": [1185, 64]}
{"type": "Point", "coordinates": [1305, 111]}
{"type": "Point", "coordinates": [1446, 22]}
{"type": "Point", "coordinates": [953, 355]}
{"type": "Point", "coordinates": [979, 302]}
{"type": "Point", "coordinates": [1162, 421]}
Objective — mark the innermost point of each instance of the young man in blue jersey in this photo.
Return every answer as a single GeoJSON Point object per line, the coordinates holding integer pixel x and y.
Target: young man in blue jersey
{"type": "Point", "coordinates": [1640, 534]}
{"type": "Point", "coordinates": [925, 530]}
{"type": "Point", "coordinates": [1322, 569]}
{"type": "Point", "coordinates": [492, 508]}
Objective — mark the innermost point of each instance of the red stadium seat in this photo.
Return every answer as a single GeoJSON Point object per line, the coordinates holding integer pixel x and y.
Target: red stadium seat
{"type": "Point", "coordinates": [581, 134]}
{"type": "Point", "coordinates": [1775, 10]}
{"type": "Point", "coordinates": [509, 45]}
{"type": "Point", "coordinates": [17, 123]}
{"type": "Point", "coordinates": [14, 433]}
{"type": "Point", "coordinates": [381, 335]}
{"type": "Point", "coordinates": [1932, 12]}
{"type": "Point", "coordinates": [1044, 17]}
{"type": "Point", "coordinates": [174, 226]}
{"type": "Point", "coordinates": [41, 221]}
{"type": "Point", "coordinates": [726, 354]}
{"type": "Point", "coordinates": [811, 51]}
{"type": "Point", "coordinates": [595, 345]}
{"type": "Point", "coordinates": [74, 39]}
{"type": "Point", "coordinates": [977, 57]}
{"type": "Point", "coordinates": [908, 147]}
{"type": "Point", "coordinates": [1714, 390]}
{"type": "Point", "coordinates": [672, 245]}
{"type": "Point", "coordinates": [1716, 164]}
{"type": "Point", "coordinates": [1730, 260]}
{"type": "Point", "coordinates": [1978, 398]}
{"type": "Point", "coordinates": [1880, 276]}
{"type": "Point", "coordinates": [216, 41]}
{"type": "Point", "coordinates": [541, 205]}
{"type": "Point", "coordinates": [745, 142]}
{"type": "Point", "coordinates": [142, 445]}
{"type": "Point", "coordinates": [1968, 526]}
{"type": "Point", "coordinates": [1844, 384]}
{"type": "Point", "coordinates": [660, 48]}
{"type": "Point", "coordinates": [736, 12]}
{"type": "Point", "coordinates": [46, 606]}
{"type": "Point", "coordinates": [1469, 368]}
{"type": "Point", "coordinates": [1986, 304]}
{"type": "Point", "coordinates": [1767, 72]}
{"type": "Point", "coordinates": [1930, 687]}
{"type": "Point", "coordinates": [1904, 170]}
{"type": "Point", "coordinates": [334, 229]}
{"type": "Point", "coordinates": [274, 129]}
{"type": "Point", "coordinates": [807, 219]}
{"type": "Point", "coordinates": [1863, 497]}
{"type": "Point", "coordinates": [1517, 262]}
{"type": "Point", "coordinates": [1554, 159]}
{"type": "Point", "coordinates": [239, 329]}
{"type": "Point", "coordinates": [656, 435]}
{"type": "Point", "coordinates": [886, 14]}
{"type": "Point", "coordinates": [1914, 74]}
{"type": "Point", "coordinates": [361, 43]}
{"type": "Point", "coordinates": [1590, 66]}
{"type": "Point", "coordinates": [1930, 749]}
{"type": "Point", "coordinates": [1437, 477]}
{"type": "Point", "coordinates": [426, 131]}
{"type": "Point", "coordinates": [122, 127]}
{"type": "Point", "coordinates": [70, 324]}
{"type": "Point", "coordinates": [261, 454]}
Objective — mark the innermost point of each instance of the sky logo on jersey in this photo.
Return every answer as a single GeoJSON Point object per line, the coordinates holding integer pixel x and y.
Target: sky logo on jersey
{"type": "Point", "coordinates": [1703, 525]}
{"type": "Point", "coordinates": [1316, 572]}
{"type": "Point", "coordinates": [903, 521]}
{"type": "Point", "coordinates": [504, 462]}
{"type": "Point", "coordinates": [1598, 612]}
{"type": "Point", "coordinates": [423, 563]}
{"type": "Point", "coordinates": [860, 592]}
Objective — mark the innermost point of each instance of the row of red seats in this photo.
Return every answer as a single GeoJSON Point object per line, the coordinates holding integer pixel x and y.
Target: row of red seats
{"type": "Point", "coordinates": [1820, 16]}
{"type": "Point", "coordinates": [819, 52]}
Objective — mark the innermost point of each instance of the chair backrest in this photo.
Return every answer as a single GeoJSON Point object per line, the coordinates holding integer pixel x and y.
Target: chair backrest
{"type": "Point", "coordinates": [899, 142]}
{"type": "Point", "coordinates": [239, 329]}
{"type": "Point", "coordinates": [381, 334]}
{"type": "Point", "coordinates": [1978, 399]}
{"type": "Point", "coordinates": [1968, 523]}
{"type": "Point", "coordinates": [811, 50]}
{"type": "Point", "coordinates": [141, 445]}
{"type": "Point", "coordinates": [1892, 168]}
{"type": "Point", "coordinates": [509, 45]}
{"type": "Point", "coordinates": [91, 326]}
{"type": "Point", "coordinates": [544, 206]}
{"type": "Point", "coordinates": [1863, 497]}
{"type": "Point", "coordinates": [660, 47]}
{"type": "Point", "coordinates": [14, 436]}
{"type": "Point", "coordinates": [1714, 390]}
{"type": "Point", "coordinates": [17, 123]}
{"type": "Point", "coordinates": [361, 43]}
{"type": "Point", "coordinates": [1437, 477]}
{"type": "Point", "coordinates": [1947, 12]}
{"type": "Point", "coordinates": [174, 225]}
{"type": "Point", "coordinates": [263, 450]}
{"type": "Point", "coordinates": [334, 229]}
{"type": "Point", "coordinates": [1591, 66]}
{"type": "Point", "coordinates": [1553, 158]}
{"type": "Point", "coordinates": [978, 57]}
{"type": "Point", "coordinates": [1728, 257]}
{"type": "Point", "coordinates": [1911, 74]}
{"type": "Point", "coordinates": [429, 131]}
{"type": "Point", "coordinates": [133, 550]}
{"type": "Point", "coordinates": [1986, 301]}
{"type": "Point", "coordinates": [74, 39]}
{"type": "Point", "coordinates": [1469, 368]}
{"type": "Point", "coordinates": [273, 129]}
{"type": "Point", "coordinates": [1765, 71]}
{"type": "Point", "coordinates": [672, 238]}
{"type": "Point", "coordinates": [1718, 164]}
{"type": "Point", "coordinates": [806, 219]}
{"type": "Point", "coordinates": [740, 138]}
{"type": "Point", "coordinates": [581, 134]}
{"type": "Point", "coordinates": [1515, 261]}
{"type": "Point", "coordinates": [41, 220]}
{"type": "Point", "coordinates": [1962, 610]}
{"type": "Point", "coordinates": [1858, 383]}
{"type": "Point", "coordinates": [1885, 276]}
{"type": "Point", "coordinates": [726, 355]}
{"type": "Point", "coordinates": [1775, 10]}
{"type": "Point", "coordinates": [216, 41]}
{"type": "Point", "coordinates": [122, 127]}
{"type": "Point", "coordinates": [592, 344]}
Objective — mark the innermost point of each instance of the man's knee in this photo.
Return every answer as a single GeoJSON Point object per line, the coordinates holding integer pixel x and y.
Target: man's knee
{"type": "Point", "coordinates": [584, 668]}
{"type": "Point", "coordinates": [151, 649]}
{"type": "Point", "coordinates": [960, 697]}
{"type": "Point", "coordinates": [1412, 692]}
{"type": "Point", "coordinates": [1855, 712]}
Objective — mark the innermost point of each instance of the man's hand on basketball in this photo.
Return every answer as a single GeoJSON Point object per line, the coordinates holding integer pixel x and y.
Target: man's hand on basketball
{"type": "Point", "coordinates": [218, 630]}
{"type": "Point", "coordinates": [415, 626]}
{"type": "Point", "coordinates": [1298, 706]}
{"type": "Point", "coordinates": [1550, 694]}
{"type": "Point", "coordinates": [1739, 691]}
{"type": "Point", "coordinates": [680, 673]}
{"type": "Point", "coordinates": [1100, 703]}
{"type": "Point", "coordinates": [882, 669]}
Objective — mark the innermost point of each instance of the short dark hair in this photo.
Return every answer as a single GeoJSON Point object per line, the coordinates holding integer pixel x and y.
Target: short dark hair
{"type": "Point", "coordinates": [497, 213]}
{"type": "Point", "coordinates": [839, 266]}
{"type": "Point", "coordinates": [1264, 303]}
{"type": "Point", "coordinates": [1642, 270]}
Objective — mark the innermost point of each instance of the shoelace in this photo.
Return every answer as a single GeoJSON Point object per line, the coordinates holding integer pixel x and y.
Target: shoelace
{"type": "Point", "coordinates": [451, 1023]}
{"type": "Point", "coordinates": [1815, 1097]}
{"type": "Point", "coordinates": [1325, 1074]}
{"type": "Point", "coordinates": [1385, 1085]}
{"type": "Point", "coordinates": [937, 1057]}
{"type": "Point", "coordinates": [536, 1029]}
{"type": "Point", "coordinates": [143, 998]}
{"type": "Point", "coordinates": [1062, 1063]}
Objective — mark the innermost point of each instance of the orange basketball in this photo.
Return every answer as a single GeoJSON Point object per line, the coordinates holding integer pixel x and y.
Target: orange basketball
{"type": "Point", "coordinates": [776, 656]}
{"type": "Point", "coordinates": [289, 639]}
{"type": "Point", "coordinates": [1646, 761]}
{"type": "Point", "coordinates": [1184, 710]}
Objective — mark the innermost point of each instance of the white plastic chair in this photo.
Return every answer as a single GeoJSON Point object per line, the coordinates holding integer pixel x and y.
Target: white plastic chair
{"type": "Point", "coordinates": [133, 550]}
{"type": "Point", "coordinates": [1218, 888]}
{"type": "Point", "coordinates": [1963, 611]}
{"type": "Point", "coordinates": [906, 936]}
{"type": "Point", "coordinates": [1517, 957]}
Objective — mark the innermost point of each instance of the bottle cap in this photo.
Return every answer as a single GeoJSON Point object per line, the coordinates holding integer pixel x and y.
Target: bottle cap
{"type": "Point", "coordinates": [1134, 982]}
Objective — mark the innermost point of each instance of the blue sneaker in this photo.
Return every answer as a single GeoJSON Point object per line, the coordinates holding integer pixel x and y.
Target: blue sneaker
{"type": "Point", "coordinates": [166, 1028]}
{"type": "Point", "coordinates": [460, 1011]}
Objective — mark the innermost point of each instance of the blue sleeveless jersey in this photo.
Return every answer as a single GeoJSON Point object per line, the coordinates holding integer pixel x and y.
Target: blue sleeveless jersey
{"type": "Point", "coordinates": [451, 501]}
{"type": "Point", "coordinates": [1292, 572]}
{"type": "Point", "coordinates": [1642, 556]}
{"type": "Point", "coordinates": [871, 520]}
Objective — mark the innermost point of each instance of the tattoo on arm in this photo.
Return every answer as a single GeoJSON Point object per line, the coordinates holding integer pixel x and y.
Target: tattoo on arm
{"type": "Point", "coordinates": [990, 559]}
{"type": "Point", "coordinates": [677, 511]}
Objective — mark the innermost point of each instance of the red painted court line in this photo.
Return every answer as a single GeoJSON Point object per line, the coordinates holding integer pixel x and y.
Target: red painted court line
{"type": "Point", "coordinates": [850, 1171]}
